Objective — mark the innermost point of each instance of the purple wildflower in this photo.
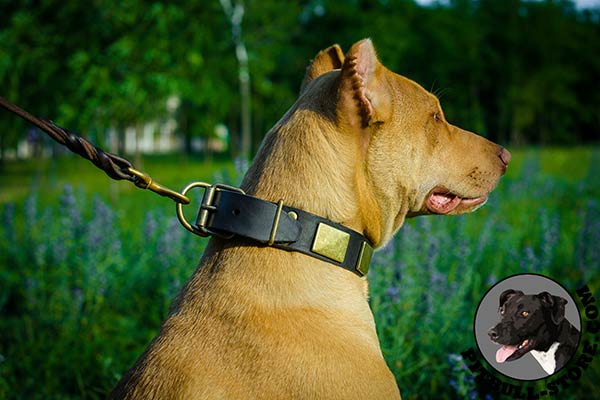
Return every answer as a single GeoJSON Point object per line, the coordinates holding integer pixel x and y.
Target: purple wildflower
{"type": "Point", "coordinates": [150, 225]}
{"type": "Point", "coordinates": [529, 261]}
{"type": "Point", "coordinates": [393, 292]}
{"type": "Point", "coordinates": [550, 226]}
{"type": "Point", "coordinates": [69, 207]}
{"type": "Point", "coordinates": [170, 242]}
{"type": "Point", "coordinates": [101, 227]}
{"type": "Point", "coordinates": [31, 211]}
{"type": "Point", "coordinates": [588, 251]}
{"type": "Point", "coordinates": [8, 223]}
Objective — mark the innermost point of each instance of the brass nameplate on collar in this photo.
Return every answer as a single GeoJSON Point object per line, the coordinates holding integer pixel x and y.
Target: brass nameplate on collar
{"type": "Point", "coordinates": [331, 242]}
{"type": "Point", "coordinates": [364, 258]}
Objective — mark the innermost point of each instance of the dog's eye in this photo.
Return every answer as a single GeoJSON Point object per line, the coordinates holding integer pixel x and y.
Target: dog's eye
{"type": "Point", "coordinates": [437, 117]}
{"type": "Point", "coordinates": [525, 313]}
{"type": "Point", "coordinates": [377, 124]}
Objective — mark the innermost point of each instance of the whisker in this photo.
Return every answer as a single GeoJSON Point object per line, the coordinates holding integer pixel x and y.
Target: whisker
{"type": "Point", "coordinates": [441, 92]}
{"type": "Point", "coordinates": [432, 89]}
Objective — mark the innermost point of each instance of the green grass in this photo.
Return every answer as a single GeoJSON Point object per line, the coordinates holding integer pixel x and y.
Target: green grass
{"type": "Point", "coordinates": [19, 179]}
{"type": "Point", "coordinates": [88, 268]}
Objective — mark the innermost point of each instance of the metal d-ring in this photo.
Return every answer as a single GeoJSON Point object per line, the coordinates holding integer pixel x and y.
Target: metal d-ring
{"type": "Point", "coordinates": [179, 208]}
{"type": "Point", "coordinates": [207, 206]}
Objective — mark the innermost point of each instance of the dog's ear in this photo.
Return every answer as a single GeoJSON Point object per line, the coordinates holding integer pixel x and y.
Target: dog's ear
{"type": "Point", "coordinates": [358, 97]}
{"type": "Point", "coordinates": [326, 60]}
{"type": "Point", "coordinates": [507, 294]}
{"type": "Point", "coordinates": [555, 304]}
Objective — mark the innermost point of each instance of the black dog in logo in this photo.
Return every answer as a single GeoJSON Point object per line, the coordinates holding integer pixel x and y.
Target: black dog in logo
{"type": "Point", "coordinates": [534, 324]}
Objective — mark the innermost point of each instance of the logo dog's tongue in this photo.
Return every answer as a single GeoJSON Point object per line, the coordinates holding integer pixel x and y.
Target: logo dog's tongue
{"type": "Point", "coordinates": [504, 352]}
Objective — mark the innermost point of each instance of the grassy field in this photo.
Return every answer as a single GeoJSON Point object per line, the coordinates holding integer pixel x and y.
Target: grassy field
{"type": "Point", "coordinates": [88, 268]}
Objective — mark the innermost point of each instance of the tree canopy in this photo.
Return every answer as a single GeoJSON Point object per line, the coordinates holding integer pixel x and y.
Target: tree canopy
{"type": "Point", "coordinates": [515, 71]}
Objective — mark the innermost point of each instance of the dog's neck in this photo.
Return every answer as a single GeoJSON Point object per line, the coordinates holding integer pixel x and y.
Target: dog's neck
{"type": "Point", "coordinates": [324, 175]}
{"type": "Point", "coordinates": [304, 179]}
{"type": "Point", "coordinates": [262, 279]}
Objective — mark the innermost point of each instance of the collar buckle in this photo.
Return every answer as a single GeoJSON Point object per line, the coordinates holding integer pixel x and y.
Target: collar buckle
{"type": "Point", "coordinates": [206, 208]}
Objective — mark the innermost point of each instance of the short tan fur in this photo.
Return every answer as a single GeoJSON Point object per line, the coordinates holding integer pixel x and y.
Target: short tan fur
{"type": "Point", "coordinates": [364, 147]}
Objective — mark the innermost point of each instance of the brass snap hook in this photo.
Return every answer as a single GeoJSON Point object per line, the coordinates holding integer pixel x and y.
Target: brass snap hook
{"type": "Point", "coordinates": [144, 181]}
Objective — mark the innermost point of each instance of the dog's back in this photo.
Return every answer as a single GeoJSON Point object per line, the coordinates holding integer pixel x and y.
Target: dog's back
{"type": "Point", "coordinates": [258, 336]}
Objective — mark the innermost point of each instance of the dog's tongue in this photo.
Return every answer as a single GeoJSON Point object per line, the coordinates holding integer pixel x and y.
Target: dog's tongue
{"type": "Point", "coordinates": [504, 352]}
{"type": "Point", "coordinates": [442, 203]}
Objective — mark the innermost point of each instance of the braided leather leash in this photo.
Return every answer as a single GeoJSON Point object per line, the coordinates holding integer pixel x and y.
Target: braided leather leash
{"type": "Point", "coordinates": [114, 166]}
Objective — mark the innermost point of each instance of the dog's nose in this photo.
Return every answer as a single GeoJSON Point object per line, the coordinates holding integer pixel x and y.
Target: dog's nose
{"type": "Point", "coordinates": [493, 334]}
{"type": "Point", "coordinates": [504, 155]}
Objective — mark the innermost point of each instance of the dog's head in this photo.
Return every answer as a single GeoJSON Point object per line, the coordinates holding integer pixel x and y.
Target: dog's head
{"type": "Point", "coordinates": [367, 147]}
{"type": "Point", "coordinates": [528, 322]}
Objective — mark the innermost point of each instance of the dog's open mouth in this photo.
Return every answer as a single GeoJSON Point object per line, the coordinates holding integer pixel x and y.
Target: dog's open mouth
{"type": "Point", "coordinates": [510, 353]}
{"type": "Point", "coordinates": [442, 201]}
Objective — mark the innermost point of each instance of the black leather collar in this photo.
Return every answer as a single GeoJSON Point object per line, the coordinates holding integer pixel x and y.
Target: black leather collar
{"type": "Point", "coordinates": [227, 211]}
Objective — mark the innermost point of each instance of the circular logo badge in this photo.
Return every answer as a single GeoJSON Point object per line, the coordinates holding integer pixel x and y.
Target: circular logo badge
{"type": "Point", "coordinates": [527, 327]}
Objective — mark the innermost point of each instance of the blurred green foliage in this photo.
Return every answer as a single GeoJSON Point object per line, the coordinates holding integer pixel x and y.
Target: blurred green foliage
{"type": "Point", "coordinates": [513, 70]}
{"type": "Point", "coordinates": [87, 271]}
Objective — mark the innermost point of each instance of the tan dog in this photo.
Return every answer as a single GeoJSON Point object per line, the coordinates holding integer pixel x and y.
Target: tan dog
{"type": "Point", "coordinates": [364, 147]}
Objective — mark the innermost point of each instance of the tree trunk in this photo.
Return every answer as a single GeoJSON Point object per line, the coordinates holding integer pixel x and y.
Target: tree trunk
{"type": "Point", "coordinates": [235, 13]}
{"type": "Point", "coordinates": [120, 140]}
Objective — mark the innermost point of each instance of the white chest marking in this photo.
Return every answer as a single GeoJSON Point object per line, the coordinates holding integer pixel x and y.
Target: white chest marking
{"type": "Point", "coordinates": [546, 358]}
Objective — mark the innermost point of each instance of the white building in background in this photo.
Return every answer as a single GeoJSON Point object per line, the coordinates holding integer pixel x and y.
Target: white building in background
{"type": "Point", "coordinates": [155, 137]}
